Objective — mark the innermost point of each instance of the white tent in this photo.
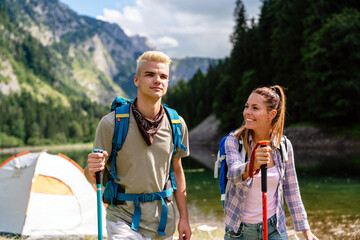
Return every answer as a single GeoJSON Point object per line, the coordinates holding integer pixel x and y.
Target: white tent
{"type": "Point", "coordinates": [44, 195]}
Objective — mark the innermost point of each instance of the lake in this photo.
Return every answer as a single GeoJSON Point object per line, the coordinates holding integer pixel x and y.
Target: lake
{"type": "Point", "coordinates": [330, 189]}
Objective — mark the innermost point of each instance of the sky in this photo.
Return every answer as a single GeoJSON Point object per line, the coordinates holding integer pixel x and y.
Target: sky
{"type": "Point", "coordinates": [186, 28]}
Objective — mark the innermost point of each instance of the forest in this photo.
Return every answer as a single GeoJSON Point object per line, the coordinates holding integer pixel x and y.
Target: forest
{"type": "Point", "coordinates": [311, 48]}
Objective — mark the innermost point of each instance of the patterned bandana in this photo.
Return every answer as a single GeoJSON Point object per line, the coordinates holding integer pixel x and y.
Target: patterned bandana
{"type": "Point", "coordinates": [148, 128]}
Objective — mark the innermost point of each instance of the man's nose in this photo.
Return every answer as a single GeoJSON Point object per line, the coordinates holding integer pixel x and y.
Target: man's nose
{"type": "Point", "coordinates": [157, 79]}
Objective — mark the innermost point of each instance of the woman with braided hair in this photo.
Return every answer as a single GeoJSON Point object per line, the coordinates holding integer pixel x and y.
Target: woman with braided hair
{"type": "Point", "coordinates": [264, 117]}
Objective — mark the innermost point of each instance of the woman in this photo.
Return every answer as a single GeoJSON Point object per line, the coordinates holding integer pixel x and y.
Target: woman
{"type": "Point", "coordinates": [264, 117]}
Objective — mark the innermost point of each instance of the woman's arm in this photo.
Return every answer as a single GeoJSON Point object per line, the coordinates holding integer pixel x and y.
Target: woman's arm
{"type": "Point", "coordinates": [237, 167]}
{"type": "Point", "coordinates": [292, 193]}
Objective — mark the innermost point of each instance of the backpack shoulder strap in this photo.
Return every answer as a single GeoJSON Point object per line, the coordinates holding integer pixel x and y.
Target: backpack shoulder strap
{"type": "Point", "coordinates": [119, 101]}
{"type": "Point", "coordinates": [283, 149]}
{"type": "Point", "coordinates": [176, 130]}
{"type": "Point", "coordinates": [242, 150]}
{"type": "Point", "coordinates": [222, 156]}
{"type": "Point", "coordinates": [122, 115]}
{"type": "Point", "coordinates": [176, 127]}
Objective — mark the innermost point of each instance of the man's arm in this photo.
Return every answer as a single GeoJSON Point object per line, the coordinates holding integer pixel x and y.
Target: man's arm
{"type": "Point", "coordinates": [181, 202]}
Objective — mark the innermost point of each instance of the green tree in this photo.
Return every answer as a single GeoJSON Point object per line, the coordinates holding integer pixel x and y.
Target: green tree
{"type": "Point", "coordinates": [18, 129]}
{"type": "Point", "coordinates": [332, 63]}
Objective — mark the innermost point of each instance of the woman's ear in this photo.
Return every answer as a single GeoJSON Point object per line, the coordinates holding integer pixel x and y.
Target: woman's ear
{"type": "Point", "coordinates": [272, 114]}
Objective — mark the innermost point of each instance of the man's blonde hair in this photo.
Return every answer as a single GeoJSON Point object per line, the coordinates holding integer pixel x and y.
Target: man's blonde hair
{"type": "Point", "coordinates": [155, 56]}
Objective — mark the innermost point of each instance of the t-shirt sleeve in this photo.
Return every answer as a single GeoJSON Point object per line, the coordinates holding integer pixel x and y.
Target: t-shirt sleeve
{"type": "Point", "coordinates": [104, 133]}
{"type": "Point", "coordinates": [180, 153]}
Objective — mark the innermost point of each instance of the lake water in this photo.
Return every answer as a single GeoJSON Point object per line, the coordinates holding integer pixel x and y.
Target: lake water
{"type": "Point", "coordinates": [330, 190]}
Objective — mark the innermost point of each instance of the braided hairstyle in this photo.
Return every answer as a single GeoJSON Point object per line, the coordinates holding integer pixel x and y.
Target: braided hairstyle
{"type": "Point", "coordinates": [275, 100]}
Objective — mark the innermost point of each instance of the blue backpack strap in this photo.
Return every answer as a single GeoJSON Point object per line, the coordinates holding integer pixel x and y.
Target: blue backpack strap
{"type": "Point", "coordinates": [221, 160]}
{"type": "Point", "coordinates": [223, 170]}
{"type": "Point", "coordinates": [147, 197]}
{"type": "Point", "coordinates": [122, 114]}
{"type": "Point", "coordinates": [176, 129]}
{"type": "Point", "coordinates": [119, 101]}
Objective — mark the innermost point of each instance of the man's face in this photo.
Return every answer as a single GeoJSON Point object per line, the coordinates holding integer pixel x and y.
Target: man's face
{"type": "Point", "coordinates": [153, 80]}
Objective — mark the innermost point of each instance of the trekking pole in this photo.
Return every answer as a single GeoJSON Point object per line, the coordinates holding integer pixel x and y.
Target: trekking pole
{"type": "Point", "coordinates": [263, 184]}
{"type": "Point", "coordinates": [98, 192]}
{"type": "Point", "coordinates": [264, 192]}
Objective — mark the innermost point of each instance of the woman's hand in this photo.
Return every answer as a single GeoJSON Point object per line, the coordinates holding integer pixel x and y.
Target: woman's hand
{"type": "Point", "coordinates": [309, 235]}
{"type": "Point", "coordinates": [262, 156]}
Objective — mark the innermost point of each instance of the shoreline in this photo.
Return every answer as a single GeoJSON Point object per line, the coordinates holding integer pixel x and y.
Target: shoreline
{"type": "Point", "coordinates": [207, 134]}
{"type": "Point", "coordinates": [17, 150]}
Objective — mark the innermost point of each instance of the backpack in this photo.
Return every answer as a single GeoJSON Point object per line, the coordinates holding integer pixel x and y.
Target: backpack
{"type": "Point", "coordinates": [220, 163]}
{"type": "Point", "coordinates": [114, 194]}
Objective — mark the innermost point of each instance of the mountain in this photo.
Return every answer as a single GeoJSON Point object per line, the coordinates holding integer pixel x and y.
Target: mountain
{"type": "Point", "coordinates": [186, 68]}
{"type": "Point", "coordinates": [91, 58]}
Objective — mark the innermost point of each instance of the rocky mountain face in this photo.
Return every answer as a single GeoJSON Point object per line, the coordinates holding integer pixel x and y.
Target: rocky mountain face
{"type": "Point", "coordinates": [185, 68]}
{"type": "Point", "coordinates": [93, 58]}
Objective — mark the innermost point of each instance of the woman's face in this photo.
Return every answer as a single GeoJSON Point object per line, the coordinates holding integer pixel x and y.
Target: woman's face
{"type": "Point", "coordinates": [256, 114]}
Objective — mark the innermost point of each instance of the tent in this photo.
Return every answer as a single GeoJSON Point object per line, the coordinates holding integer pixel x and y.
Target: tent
{"type": "Point", "coordinates": [44, 195]}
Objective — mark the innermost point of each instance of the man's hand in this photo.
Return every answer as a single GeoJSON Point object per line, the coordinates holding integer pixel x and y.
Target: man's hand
{"type": "Point", "coordinates": [184, 230]}
{"type": "Point", "coordinates": [180, 197]}
{"type": "Point", "coordinates": [96, 162]}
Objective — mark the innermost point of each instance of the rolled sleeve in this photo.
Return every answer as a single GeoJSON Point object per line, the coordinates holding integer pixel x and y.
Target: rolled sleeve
{"type": "Point", "coordinates": [104, 133]}
{"type": "Point", "coordinates": [236, 165]}
{"type": "Point", "coordinates": [181, 153]}
{"type": "Point", "coordinates": [292, 193]}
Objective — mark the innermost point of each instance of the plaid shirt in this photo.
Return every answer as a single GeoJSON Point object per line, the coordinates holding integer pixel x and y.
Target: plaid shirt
{"type": "Point", "coordinates": [237, 188]}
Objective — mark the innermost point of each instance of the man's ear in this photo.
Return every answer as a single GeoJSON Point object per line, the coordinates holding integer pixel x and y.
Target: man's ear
{"type": "Point", "coordinates": [136, 80]}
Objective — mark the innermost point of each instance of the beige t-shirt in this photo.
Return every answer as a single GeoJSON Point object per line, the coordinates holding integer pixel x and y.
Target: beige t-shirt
{"type": "Point", "coordinates": [142, 169]}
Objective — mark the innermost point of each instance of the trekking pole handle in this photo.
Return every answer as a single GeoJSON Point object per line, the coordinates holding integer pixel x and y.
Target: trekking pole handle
{"type": "Point", "coordinates": [263, 169]}
{"type": "Point", "coordinates": [97, 174]}
{"type": "Point", "coordinates": [98, 193]}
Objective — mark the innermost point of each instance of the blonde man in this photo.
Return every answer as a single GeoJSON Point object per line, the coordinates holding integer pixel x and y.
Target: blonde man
{"type": "Point", "coordinates": [143, 163]}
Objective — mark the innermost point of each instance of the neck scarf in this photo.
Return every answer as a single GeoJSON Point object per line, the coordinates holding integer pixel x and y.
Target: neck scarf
{"type": "Point", "coordinates": [147, 127]}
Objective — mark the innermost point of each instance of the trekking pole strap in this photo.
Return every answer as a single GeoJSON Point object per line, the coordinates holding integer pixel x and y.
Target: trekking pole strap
{"type": "Point", "coordinates": [147, 197]}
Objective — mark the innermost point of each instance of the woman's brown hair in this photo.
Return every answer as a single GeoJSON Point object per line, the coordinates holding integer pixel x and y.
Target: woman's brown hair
{"type": "Point", "coordinates": [275, 100]}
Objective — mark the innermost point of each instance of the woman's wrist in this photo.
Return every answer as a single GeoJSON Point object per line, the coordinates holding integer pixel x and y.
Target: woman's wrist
{"type": "Point", "coordinates": [245, 175]}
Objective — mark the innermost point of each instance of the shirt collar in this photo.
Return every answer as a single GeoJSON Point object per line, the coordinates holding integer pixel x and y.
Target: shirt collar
{"type": "Point", "coordinates": [273, 142]}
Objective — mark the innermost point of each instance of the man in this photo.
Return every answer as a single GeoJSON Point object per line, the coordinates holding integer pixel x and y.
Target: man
{"type": "Point", "coordinates": [143, 163]}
